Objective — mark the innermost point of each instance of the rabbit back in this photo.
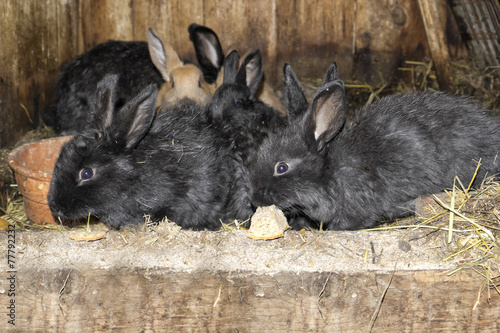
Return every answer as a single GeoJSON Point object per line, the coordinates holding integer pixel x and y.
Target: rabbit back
{"type": "Point", "coordinates": [78, 81]}
{"type": "Point", "coordinates": [406, 146]}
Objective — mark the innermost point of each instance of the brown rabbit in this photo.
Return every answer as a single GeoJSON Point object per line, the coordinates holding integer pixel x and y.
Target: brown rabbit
{"type": "Point", "coordinates": [182, 80]}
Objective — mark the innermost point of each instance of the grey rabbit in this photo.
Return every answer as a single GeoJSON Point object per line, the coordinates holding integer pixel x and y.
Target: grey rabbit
{"type": "Point", "coordinates": [136, 162]}
{"type": "Point", "coordinates": [351, 176]}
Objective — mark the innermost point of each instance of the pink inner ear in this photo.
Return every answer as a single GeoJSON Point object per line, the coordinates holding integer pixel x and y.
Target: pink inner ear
{"type": "Point", "coordinates": [326, 114]}
{"type": "Point", "coordinates": [211, 52]}
{"type": "Point", "coordinates": [252, 71]}
{"type": "Point", "coordinates": [163, 55]}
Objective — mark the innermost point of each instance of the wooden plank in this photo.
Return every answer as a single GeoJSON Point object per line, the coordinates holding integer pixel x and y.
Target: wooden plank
{"type": "Point", "coordinates": [312, 34]}
{"type": "Point", "coordinates": [433, 14]}
{"type": "Point", "coordinates": [170, 20]}
{"type": "Point", "coordinates": [384, 42]}
{"type": "Point", "coordinates": [159, 300]}
{"type": "Point", "coordinates": [36, 38]}
{"type": "Point", "coordinates": [37, 69]}
{"type": "Point", "coordinates": [245, 26]}
{"type": "Point", "coordinates": [102, 20]}
{"type": "Point", "coordinates": [171, 280]}
{"type": "Point", "coordinates": [12, 119]}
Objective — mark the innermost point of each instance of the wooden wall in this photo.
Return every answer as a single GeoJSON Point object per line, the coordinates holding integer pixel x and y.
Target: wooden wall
{"type": "Point", "coordinates": [368, 39]}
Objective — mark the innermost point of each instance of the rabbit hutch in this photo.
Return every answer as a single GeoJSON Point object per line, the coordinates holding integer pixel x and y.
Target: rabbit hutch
{"type": "Point", "coordinates": [437, 270]}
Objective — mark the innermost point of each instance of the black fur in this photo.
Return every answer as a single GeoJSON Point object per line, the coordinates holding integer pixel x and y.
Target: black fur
{"type": "Point", "coordinates": [208, 50]}
{"type": "Point", "coordinates": [190, 165]}
{"type": "Point", "coordinates": [78, 81]}
{"type": "Point", "coordinates": [173, 166]}
{"type": "Point", "coordinates": [352, 176]}
{"type": "Point", "coordinates": [131, 60]}
{"type": "Point", "coordinates": [234, 111]}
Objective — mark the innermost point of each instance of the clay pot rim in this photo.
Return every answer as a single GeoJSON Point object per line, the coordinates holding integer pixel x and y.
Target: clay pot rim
{"type": "Point", "coordinates": [25, 171]}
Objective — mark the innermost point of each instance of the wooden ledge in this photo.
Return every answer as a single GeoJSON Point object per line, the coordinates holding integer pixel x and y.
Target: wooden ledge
{"type": "Point", "coordinates": [172, 280]}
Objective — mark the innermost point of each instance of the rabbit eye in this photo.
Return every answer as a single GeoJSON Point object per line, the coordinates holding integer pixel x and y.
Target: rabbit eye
{"type": "Point", "coordinates": [281, 168]}
{"type": "Point", "coordinates": [173, 84]}
{"type": "Point", "coordinates": [199, 84]}
{"type": "Point", "coordinates": [86, 174]}
{"type": "Point", "coordinates": [239, 104]}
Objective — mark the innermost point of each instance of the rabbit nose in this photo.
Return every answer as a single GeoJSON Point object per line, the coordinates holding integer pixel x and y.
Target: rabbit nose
{"type": "Point", "coordinates": [261, 197]}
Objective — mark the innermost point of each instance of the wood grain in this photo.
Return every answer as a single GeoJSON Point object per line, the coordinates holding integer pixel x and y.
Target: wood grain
{"type": "Point", "coordinates": [387, 34]}
{"type": "Point", "coordinates": [433, 14]}
{"type": "Point", "coordinates": [170, 20]}
{"type": "Point", "coordinates": [368, 40]}
{"type": "Point", "coordinates": [37, 38]}
{"type": "Point", "coordinates": [165, 279]}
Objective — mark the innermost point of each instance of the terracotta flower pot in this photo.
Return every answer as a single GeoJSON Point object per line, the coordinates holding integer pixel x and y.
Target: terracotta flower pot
{"type": "Point", "coordinates": [33, 164]}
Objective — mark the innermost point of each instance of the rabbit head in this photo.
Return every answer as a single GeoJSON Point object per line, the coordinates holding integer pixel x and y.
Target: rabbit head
{"type": "Point", "coordinates": [265, 91]}
{"type": "Point", "coordinates": [235, 111]}
{"type": "Point", "coordinates": [291, 162]}
{"type": "Point", "coordinates": [93, 168]}
{"type": "Point", "coordinates": [131, 163]}
{"type": "Point", "coordinates": [183, 80]}
{"type": "Point", "coordinates": [239, 86]}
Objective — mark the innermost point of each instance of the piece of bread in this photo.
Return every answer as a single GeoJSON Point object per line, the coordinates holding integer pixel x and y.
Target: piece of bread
{"type": "Point", "coordinates": [89, 233]}
{"type": "Point", "coordinates": [267, 223]}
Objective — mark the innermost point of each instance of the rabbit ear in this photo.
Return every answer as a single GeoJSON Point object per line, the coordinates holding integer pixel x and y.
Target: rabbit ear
{"type": "Point", "coordinates": [101, 117]}
{"type": "Point", "coordinates": [331, 74]}
{"type": "Point", "coordinates": [293, 96]}
{"type": "Point", "coordinates": [250, 73]}
{"type": "Point", "coordinates": [208, 50]}
{"type": "Point", "coordinates": [163, 56]}
{"type": "Point", "coordinates": [231, 67]}
{"type": "Point", "coordinates": [136, 117]}
{"type": "Point", "coordinates": [326, 114]}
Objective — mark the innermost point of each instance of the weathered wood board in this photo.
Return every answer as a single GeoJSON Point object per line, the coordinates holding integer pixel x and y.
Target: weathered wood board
{"type": "Point", "coordinates": [368, 40]}
{"type": "Point", "coordinates": [182, 281]}
{"type": "Point", "coordinates": [36, 38]}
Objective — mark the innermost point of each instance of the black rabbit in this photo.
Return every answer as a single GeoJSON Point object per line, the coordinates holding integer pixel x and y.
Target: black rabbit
{"type": "Point", "coordinates": [350, 176]}
{"type": "Point", "coordinates": [78, 80]}
{"type": "Point", "coordinates": [240, 122]}
{"type": "Point", "coordinates": [234, 111]}
{"type": "Point", "coordinates": [139, 64]}
{"type": "Point", "coordinates": [132, 164]}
